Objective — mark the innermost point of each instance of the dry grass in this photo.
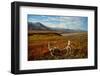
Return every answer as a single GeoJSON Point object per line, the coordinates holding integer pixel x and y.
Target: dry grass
{"type": "Point", "coordinates": [38, 46]}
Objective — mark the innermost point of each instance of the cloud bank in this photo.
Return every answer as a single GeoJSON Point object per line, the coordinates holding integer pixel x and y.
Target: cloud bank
{"type": "Point", "coordinates": [66, 22]}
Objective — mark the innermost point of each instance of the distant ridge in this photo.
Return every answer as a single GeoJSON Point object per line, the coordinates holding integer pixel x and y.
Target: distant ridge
{"type": "Point", "coordinates": [41, 27]}
{"type": "Point", "coordinates": [36, 26]}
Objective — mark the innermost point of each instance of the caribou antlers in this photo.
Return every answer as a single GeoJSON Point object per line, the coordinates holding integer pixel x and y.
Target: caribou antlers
{"type": "Point", "coordinates": [57, 51]}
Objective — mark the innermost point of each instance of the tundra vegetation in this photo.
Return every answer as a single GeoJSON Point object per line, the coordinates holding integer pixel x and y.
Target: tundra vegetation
{"type": "Point", "coordinates": [52, 45]}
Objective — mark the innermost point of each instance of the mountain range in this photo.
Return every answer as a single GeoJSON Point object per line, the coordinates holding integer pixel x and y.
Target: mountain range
{"type": "Point", "coordinates": [41, 27]}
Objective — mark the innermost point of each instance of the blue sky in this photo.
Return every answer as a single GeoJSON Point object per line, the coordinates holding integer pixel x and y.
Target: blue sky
{"type": "Point", "coordinates": [67, 22]}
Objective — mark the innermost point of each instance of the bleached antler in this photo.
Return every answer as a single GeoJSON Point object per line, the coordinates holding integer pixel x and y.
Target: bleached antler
{"type": "Point", "coordinates": [50, 49]}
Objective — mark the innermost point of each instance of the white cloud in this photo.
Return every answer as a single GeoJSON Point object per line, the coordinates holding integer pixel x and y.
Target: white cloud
{"type": "Point", "coordinates": [69, 22]}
